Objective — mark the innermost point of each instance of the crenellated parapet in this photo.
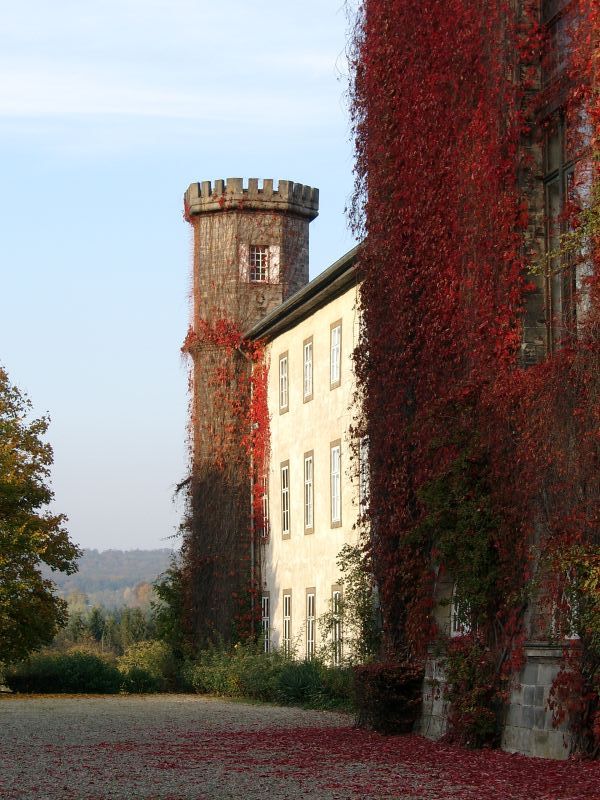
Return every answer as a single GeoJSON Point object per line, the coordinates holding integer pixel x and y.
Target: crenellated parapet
{"type": "Point", "coordinates": [232, 195]}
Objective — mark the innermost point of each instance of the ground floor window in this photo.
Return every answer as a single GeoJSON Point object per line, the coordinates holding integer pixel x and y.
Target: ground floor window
{"type": "Point", "coordinates": [287, 623]}
{"type": "Point", "coordinates": [336, 610]}
{"type": "Point", "coordinates": [266, 622]}
{"type": "Point", "coordinates": [310, 625]}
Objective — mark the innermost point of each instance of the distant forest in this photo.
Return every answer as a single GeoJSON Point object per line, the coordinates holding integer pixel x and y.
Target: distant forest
{"type": "Point", "coordinates": [112, 578]}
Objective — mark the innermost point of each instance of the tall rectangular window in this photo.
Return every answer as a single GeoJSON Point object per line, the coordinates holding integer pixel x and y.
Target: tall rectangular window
{"type": "Point", "coordinates": [266, 621]}
{"type": "Point", "coordinates": [458, 624]}
{"type": "Point", "coordinates": [259, 263]}
{"type": "Point", "coordinates": [287, 623]}
{"type": "Point", "coordinates": [285, 498]}
{"type": "Point", "coordinates": [308, 492]}
{"type": "Point", "coordinates": [283, 383]}
{"type": "Point", "coordinates": [336, 354]}
{"type": "Point", "coordinates": [559, 180]}
{"type": "Point", "coordinates": [265, 506]}
{"type": "Point", "coordinates": [336, 484]}
{"type": "Point", "coordinates": [308, 370]}
{"type": "Point", "coordinates": [310, 623]}
{"type": "Point", "coordinates": [559, 22]}
{"type": "Point", "coordinates": [336, 632]}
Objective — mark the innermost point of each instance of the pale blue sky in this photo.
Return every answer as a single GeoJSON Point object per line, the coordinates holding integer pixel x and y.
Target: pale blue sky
{"type": "Point", "coordinates": [108, 110]}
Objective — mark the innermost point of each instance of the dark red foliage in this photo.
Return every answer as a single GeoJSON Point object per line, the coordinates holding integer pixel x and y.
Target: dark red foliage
{"type": "Point", "coordinates": [408, 766]}
{"type": "Point", "coordinates": [388, 696]}
{"type": "Point", "coordinates": [438, 125]}
{"type": "Point", "coordinates": [443, 114]}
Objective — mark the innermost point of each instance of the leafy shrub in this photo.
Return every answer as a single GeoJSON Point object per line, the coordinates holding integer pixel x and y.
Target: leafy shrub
{"type": "Point", "coordinates": [150, 665]}
{"type": "Point", "coordinates": [139, 681]}
{"type": "Point", "coordinates": [74, 672]}
{"type": "Point", "coordinates": [337, 686]}
{"type": "Point", "coordinates": [246, 671]}
{"type": "Point", "coordinates": [300, 682]}
{"type": "Point", "coordinates": [388, 696]}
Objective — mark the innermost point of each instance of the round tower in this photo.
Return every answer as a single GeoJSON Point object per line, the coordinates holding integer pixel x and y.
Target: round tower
{"type": "Point", "coordinates": [250, 246]}
{"type": "Point", "coordinates": [250, 255]}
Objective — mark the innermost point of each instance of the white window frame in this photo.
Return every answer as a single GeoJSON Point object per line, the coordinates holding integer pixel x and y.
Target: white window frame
{"type": "Point", "coordinates": [335, 361]}
{"type": "Point", "coordinates": [285, 498]}
{"type": "Point", "coordinates": [258, 263]}
{"type": "Point", "coordinates": [307, 371]}
{"type": "Point", "coordinates": [287, 623]}
{"type": "Point", "coordinates": [335, 462]}
{"type": "Point", "coordinates": [265, 605]}
{"type": "Point", "coordinates": [336, 631]}
{"type": "Point", "coordinates": [311, 624]}
{"type": "Point", "coordinates": [457, 628]}
{"type": "Point", "coordinates": [265, 506]}
{"type": "Point", "coordinates": [284, 394]}
{"type": "Point", "coordinates": [309, 492]}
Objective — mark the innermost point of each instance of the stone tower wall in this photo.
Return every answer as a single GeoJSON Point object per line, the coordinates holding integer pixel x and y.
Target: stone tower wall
{"type": "Point", "coordinates": [227, 219]}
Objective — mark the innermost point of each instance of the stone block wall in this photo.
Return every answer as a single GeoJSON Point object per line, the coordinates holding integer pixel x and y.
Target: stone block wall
{"type": "Point", "coordinates": [434, 717]}
{"type": "Point", "coordinates": [528, 728]}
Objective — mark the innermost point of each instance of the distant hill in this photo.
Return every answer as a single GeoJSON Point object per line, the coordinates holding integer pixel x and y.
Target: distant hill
{"type": "Point", "coordinates": [112, 578]}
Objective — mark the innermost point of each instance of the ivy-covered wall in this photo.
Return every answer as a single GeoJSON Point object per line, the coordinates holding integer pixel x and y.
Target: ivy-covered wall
{"type": "Point", "coordinates": [481, 402]}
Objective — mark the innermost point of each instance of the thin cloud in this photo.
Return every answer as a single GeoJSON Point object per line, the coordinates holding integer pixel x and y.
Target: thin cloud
{"type": "Point", "coordinates": [54, 92]}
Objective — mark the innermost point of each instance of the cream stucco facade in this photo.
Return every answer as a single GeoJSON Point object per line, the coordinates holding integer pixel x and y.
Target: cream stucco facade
{"type": "Point", "coordinates": [305, 538]}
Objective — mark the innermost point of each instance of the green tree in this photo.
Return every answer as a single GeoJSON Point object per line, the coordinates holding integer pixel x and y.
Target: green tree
{"type": "Point", "coordinates": [112, 634]}
{"type": "Point", "coordinates": [96, 623]}
{"type": "Point", "coordinates": [75, 629]}
{"type": "Point", "coordinates": [30, 614]}
{"type": "Point", "coordinates": [167, 610]}
{"type": "Point", "coordinates": [133, 627]}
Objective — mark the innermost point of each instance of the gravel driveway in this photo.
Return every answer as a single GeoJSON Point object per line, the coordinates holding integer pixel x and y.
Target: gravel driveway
{"type": "Point", "coordinates": [185, 747]}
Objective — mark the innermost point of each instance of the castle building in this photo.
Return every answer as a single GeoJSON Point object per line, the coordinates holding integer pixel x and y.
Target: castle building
{"type": "Point", "coordinates": [312, 485]}
{"type": "Point", "coordinates": [250, 285]}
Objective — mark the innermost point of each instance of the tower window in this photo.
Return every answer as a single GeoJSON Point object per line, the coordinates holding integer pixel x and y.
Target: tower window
{"type": "Point", "coordinates": [259, 263]}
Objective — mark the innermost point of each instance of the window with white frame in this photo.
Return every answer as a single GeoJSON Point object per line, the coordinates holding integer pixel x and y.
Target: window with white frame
{"type": "Point", "coordinates": [283, 382]}
{"type": "Point", "coordinates": [565, 610]}
{"type": "Point", "coordinates": [259, 263]}
{"type": "Point", "coordinates": [310, 624]}
{"type": "Point", "coordinates": [287, 623]}
{"type": "Point", "coordinates": [266, 621]}
{"type": "Point", "coordinates": [308, 492]}
{"type": "Point", "coordinates": [285, 499]}
{"type": "Point", "coordinates": [458, 623]}
{"type": "Point", "coordinates": [336, 354]}
{"type": "Point", "coordinates": [336, 484]}
{"type": "Point", "coordinates": [308, 370]}
{"type": "Point", "coordinates": [265, 506]}
{"type": "Point", "coordinates": [336, 632]}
